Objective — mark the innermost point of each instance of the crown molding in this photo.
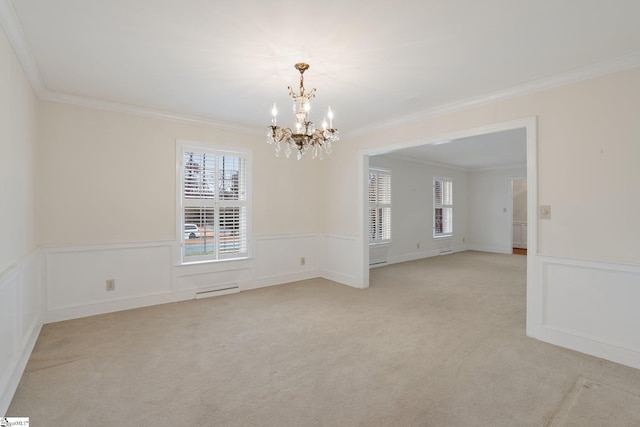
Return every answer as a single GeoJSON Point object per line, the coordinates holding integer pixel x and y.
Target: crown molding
{"type": "Point", "coordinates": [13, 29]}
{"type": "Point", "coordinates": [48, 95]}
{"type": "Point", "coordinates": [15, 34]}
{"type": "Point", "coordinates": [406, 158]}
{"type": "Point", "coordinates": [498, 168]}
{"type": "Point", "coordinates": [615, 65]}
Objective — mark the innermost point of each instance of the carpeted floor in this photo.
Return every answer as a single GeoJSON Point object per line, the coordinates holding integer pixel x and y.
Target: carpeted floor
{"type": "Point", "coordinates": [434, 342]}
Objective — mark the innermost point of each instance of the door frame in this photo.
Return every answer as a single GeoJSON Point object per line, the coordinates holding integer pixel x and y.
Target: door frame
{"type": "Point", "coordinates": [530, 126]}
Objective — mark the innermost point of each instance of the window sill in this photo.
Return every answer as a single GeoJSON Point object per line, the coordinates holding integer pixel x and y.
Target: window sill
{"type": "Point", "coordinates": [446, 236]}
{"type": "Point", "coordinates": [379, 244]}
{"type": "Point", "coordinates": [218, 264]}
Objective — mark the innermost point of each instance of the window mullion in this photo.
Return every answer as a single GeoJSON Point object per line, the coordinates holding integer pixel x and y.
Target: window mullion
{"type": "Point", "coordinates": [217, 204]}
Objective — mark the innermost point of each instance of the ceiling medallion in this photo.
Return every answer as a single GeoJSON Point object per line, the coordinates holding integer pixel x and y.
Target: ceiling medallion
{"type": "Point", "coordinates": [305, 136]}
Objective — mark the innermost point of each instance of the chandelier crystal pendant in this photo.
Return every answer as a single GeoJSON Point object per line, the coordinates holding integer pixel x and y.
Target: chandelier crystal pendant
{"type": "Point", "coordinates": [305, 136]}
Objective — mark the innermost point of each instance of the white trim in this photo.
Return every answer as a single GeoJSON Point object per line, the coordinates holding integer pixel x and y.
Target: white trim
{"type": "Point", "coordinates": [343, 279]}
{"type": "Point", "coordinates": [492, 249]}
{"type": "Point", "coordinates": [530, 125]}
{"type": "Point", "coordinates": [117, 107]}
{"type": "Point", "coordinates": [312, 268]}
{"type": "Point", "coordinates": [464, 133]}
{"type": "Point", "coordinates": [13, 281]}
{"type": "Point", "coordinates": [346, 241]}
{"type": "Point", "coordinates": [340, 236]}
{"type": "Point", "coordinates": [450, 166]}
{"type": "Point", "coordinates": [279, 279]}
{"type": "Point", "coordinates": [498, 168]}
{"type": "Point", "coordinates": [86, 310]}
{"type": "Point", "coordinates": [585, 341]}
{"type": "Point", "coordinates": [246, 154]}
{"type": "Point", "coordinates": [424, 254]}
{"type": "Point", "coordinates": [6, 395]}
{"type": "Point", "coordinates": [106, 247]}
{"type": "Point", "coordinates": [574, 76]}
{"type": "Point", "coordinates": [15, 34]}
{"type": "Point", "coordinates": [13, 29]}
{"type": "Point", "coordinates": [286, 236]}
{"type": "Point", "coordinates": [533, 287]}
{"type": "Point", "coordinates": [406, 158]}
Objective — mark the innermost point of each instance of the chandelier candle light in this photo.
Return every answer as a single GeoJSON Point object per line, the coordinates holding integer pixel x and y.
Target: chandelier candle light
{"type": "Point", "coordinates": [306, 136]}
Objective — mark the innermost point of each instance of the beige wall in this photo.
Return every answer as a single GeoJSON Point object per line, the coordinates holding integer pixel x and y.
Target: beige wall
{"type": "Point", "coordinates": [18, 115]}
{"type": "Point", "coordinates": [108, 177]}
{"type": "Point", "coordinates": [588, 150]}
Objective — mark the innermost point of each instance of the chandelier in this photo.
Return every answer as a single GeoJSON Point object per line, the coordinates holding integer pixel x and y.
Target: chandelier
{"type": "Point", "coordinates": [305, 137]}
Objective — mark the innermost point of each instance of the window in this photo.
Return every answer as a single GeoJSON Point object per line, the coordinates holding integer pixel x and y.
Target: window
{"type": "Point", "coordinates": [379, 206]}
{"type": "Point", "coordinates": [442, 207]}
{"type": "Point", "coordinates": [213, 212]}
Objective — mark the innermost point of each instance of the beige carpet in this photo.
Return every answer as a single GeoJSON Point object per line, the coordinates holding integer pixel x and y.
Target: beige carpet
{"type": "Point", "coordinates": [434, 342]}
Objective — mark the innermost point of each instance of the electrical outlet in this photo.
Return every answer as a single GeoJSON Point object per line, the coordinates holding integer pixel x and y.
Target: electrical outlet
{"type": "Point", "coordinates": [303, 261]}
{"type": "Point", "coordinates": [545, 212]}
{"type": "Point", "coordinates": [111, 285]}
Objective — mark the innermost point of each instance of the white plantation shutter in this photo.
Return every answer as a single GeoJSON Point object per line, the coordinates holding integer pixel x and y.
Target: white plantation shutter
{"type": "Point", "coordinates": [442, 207]}
{"type": "Point", "coordinates": [214, 199]}
{"type": "Point", "coordinates": [379, 205]}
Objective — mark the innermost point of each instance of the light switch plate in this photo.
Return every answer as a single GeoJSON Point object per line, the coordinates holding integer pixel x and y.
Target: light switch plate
{"type": "Point", "coordinates": [545, 212]}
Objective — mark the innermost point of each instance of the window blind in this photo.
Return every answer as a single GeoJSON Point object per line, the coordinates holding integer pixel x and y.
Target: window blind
{"type": "Point", "coordinates": [442, 207]}
{"type": "Point", "coordinates": [214, 215]}
{"type": "Point", "coordinates": [379, 205]}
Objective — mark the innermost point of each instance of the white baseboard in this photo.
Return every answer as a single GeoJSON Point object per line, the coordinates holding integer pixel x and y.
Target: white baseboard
{"type": "Point", "coordinates": [264, 282]}
{"type": "Point", "coordinates": [14, 380]}
{"type": "Point", "coordinates": [21, 308]}
{"type": "Point", "coordinates": [340, 259]}
{"type": "Point", "coordinates": [492, 249]}
{"type": "Point", "coordinates": [342, 279]}
{"type": "Point", "coordinates": [424, 254]}
{"type": "Point", "coordinates": [86, 310]}
{"type": "Point", "coordinates": [145, 273]}
{"type": "Point", "coordinates": [593, 347]}
{"type": "Point", "coordinates": [585, 306]}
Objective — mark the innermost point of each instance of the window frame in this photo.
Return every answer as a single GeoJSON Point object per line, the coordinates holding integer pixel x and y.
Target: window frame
{"type": "Point", "coordinates": [378, 205]}
{"type": "Point", "coordinates": [443, 205]}
{"type": "Point", "coordinates": [185, 146]}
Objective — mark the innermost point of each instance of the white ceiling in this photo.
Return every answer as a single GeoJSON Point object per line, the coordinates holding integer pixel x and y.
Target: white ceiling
{"type": "Point", "coordinates": [373, 61]}
{"type": "Point", "coordinates": [494, 150]}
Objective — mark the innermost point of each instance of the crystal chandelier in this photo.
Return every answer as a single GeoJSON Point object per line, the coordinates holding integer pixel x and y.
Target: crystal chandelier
{"type": "Point", "coordinates": [305, 136]}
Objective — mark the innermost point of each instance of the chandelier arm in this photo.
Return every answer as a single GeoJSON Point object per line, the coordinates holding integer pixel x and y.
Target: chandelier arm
{"type": "Point", "coordinates": [306, 137]}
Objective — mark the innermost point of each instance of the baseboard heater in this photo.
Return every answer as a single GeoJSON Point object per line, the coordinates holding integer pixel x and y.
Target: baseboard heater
{"type": "Point", "coordinates": [445, 251]}
{"type": "Point", "coordinates": [217, 292]}
{"type": "Point", "coordinates": [378, 263]}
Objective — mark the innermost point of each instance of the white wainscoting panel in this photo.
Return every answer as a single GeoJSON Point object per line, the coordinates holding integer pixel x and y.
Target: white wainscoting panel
{"type": "Point", "coordinates": [278, 259]}
{"type": "Point", "coordinates": [520, 235]}
{"type": "Point", "coordinates": [211, 276]}
{"type": "Point", "coordinates": [425, 254]}
{"type": "Point", "coordinates": [591, 307]}
{"type": "Point", "coordinates": [340, 259]}
{"type": "Point", "coordinates": [492, 249]}
{"type": "Point", "coordinates": [76, 278]}
{"type": "Point", "coordinates": [21, 308]}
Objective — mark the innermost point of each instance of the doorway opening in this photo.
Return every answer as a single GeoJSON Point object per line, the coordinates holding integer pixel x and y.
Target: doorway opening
{"type": "Point", "coordinates": [528, 126]}
{"type": "Point", "coordinates": [519, 215]}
